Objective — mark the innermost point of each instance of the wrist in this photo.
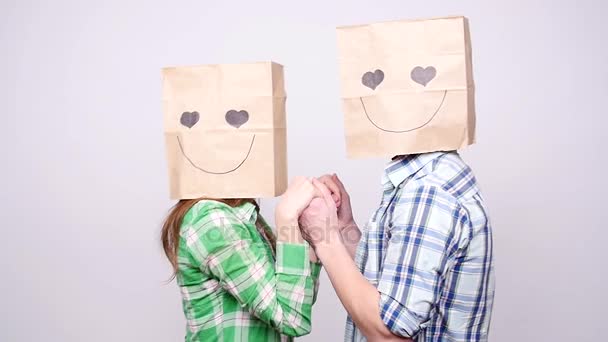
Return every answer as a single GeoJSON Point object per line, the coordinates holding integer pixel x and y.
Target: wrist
{"type": "Point", "coordinates": [285, 215]}
{"type": "Point", "coordinates": [289, 232]}
{"type": "Point", "coordinates": [351, 233]}
{"type": "Point", "coordinates": [332, 241]}
{"type": "Point", "coordinates": [287, 228]}
{"type": "Point", "coordinates": [349, 226]}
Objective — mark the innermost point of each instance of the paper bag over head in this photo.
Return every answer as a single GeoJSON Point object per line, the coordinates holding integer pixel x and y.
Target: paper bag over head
{"type": "Point", "coordinates": [225, 130]}
{"type": "Point", "coordinates": [407, 87]}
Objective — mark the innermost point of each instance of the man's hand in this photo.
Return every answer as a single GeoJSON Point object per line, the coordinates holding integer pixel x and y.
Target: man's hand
{"type": "Point", "coordinates": [348, 228]}
{"type": "Point", "coordinates": [319, 222]}
{"type": "Point", "coordinates": [341, 198]}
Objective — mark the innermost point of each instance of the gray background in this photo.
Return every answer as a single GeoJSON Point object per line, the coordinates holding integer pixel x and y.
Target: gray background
{"type": "Point", "coordinates": [83, 176]}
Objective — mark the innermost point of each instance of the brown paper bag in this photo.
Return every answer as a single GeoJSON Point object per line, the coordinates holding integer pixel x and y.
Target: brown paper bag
{"type": "Point", "coordinates": [225, 130]}
{"type": "Point", "coordinates": [407, 86]}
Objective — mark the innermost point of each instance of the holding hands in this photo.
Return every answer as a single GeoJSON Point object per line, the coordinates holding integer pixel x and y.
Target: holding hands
{"type": "Point", "coordinates": [319, 222]}
{"type": "Point", "coordinates": [296, 198]}
{"type": "Point", "coordinates": [321, 209]}
{"type": "Point", "coordinates": [329, 219]}
{"type": "Point", "coordinates": [341, 198]}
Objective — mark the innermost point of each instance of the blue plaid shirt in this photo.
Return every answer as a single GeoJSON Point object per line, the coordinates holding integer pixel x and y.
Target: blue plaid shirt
{"type": "Point", "coordinates": [428, 250]}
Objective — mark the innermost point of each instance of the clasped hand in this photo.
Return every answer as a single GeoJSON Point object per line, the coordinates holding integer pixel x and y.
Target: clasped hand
{"type": "Point", "coordinates": [320, 207]}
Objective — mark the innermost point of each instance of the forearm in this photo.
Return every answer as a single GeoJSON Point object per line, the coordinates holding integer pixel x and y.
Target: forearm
{"type": "Point", "coordinates": [295, 274]}
{"type": "Point", "coordinates": [288, 231]}
{"type": "Point", "coordinates": [358, 296]}
{"type": "Point", "coordinates": [267, 288]}
{"type": "Point", "coordinates": [350, 237]}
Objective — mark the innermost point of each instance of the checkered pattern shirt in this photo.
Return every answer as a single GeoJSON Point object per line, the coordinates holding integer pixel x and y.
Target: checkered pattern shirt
{"type": "Point", "coordinates": [428, 251]}
{"type": "Point", "coordinates": [232, 285]}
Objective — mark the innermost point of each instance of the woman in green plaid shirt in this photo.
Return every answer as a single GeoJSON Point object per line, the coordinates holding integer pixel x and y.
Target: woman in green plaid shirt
{"type": "Point", "coordinates": [238, 281]}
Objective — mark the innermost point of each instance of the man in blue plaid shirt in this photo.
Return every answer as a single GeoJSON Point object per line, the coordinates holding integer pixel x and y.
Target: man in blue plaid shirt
{"type": "Point", "coordinates": [423, 268]}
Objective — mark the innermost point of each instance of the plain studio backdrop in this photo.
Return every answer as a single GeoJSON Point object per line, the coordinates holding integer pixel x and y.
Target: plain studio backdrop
{"type": "Point", "coordinates": [84, 179]}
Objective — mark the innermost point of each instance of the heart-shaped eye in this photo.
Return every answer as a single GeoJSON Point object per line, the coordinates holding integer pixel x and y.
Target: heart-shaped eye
{"type": "Point", "coordinates": [373, 79]}
{"type": "Point", "coordinates": [422, 75]}
{"type": "Point", "coordinates": [189, 119]}
{"type": "Point", "coordinates": [237, 119]}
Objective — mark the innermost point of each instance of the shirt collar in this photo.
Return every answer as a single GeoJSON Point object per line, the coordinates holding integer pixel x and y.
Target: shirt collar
{"type": "Point", "coordinates": [400, 169]}
{"type": "Point", "coordinates": [247, 212]}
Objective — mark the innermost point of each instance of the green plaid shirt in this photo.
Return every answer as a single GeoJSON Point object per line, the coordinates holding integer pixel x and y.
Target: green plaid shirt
{"type": "Point", "coordinates": [233, 287]}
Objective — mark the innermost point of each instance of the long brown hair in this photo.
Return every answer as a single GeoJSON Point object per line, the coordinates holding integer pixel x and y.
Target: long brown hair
{"type": "Point", "coordinates": [171, 228]}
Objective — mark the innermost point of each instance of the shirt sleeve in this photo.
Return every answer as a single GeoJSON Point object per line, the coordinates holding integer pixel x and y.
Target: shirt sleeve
{"type": "Point", "coordinates": [424, 235]}
{"type": "Point", "coordinates": [280, 294]}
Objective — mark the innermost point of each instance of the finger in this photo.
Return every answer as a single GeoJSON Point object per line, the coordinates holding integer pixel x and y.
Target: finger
{"type": "Point", "coordinates": [340, 185]}
{"type": "Point", "coordinates": [326, 193]}
{"type": "Point", "coordinates": [310, 190]}
{"type": "Point", "coordinates": [336, 199]}
{"type": "Point", "coordinates": [324, 189]}
{"type": "Point", "coordinates": [333, 188]}
{"type": "Point", "coordinates": [330, 183]}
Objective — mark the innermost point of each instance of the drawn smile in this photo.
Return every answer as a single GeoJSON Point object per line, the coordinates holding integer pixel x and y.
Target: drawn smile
{"type": "Point", "coordinates": [409, 129]}
{"type": "Point", "coordinates": [217, 172]}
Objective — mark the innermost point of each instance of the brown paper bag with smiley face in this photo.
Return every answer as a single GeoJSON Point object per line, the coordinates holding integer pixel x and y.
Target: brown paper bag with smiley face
{"type": "Point", "coordinates": [225, 130]}
{"type": "Point", "coordinates": [407, 86]}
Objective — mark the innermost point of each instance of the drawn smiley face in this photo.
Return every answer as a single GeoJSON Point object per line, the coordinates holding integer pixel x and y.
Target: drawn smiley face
{"type": "Point", "coordinates": [225, 130]}
{"type": "Point", "coordinates": [234, 118]}
{"type": "Point", "coordinates": [422, 77]}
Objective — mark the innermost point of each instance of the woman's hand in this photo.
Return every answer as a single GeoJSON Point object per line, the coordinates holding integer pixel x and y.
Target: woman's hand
{"type": "Point", "coordinates": [298, 196]}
